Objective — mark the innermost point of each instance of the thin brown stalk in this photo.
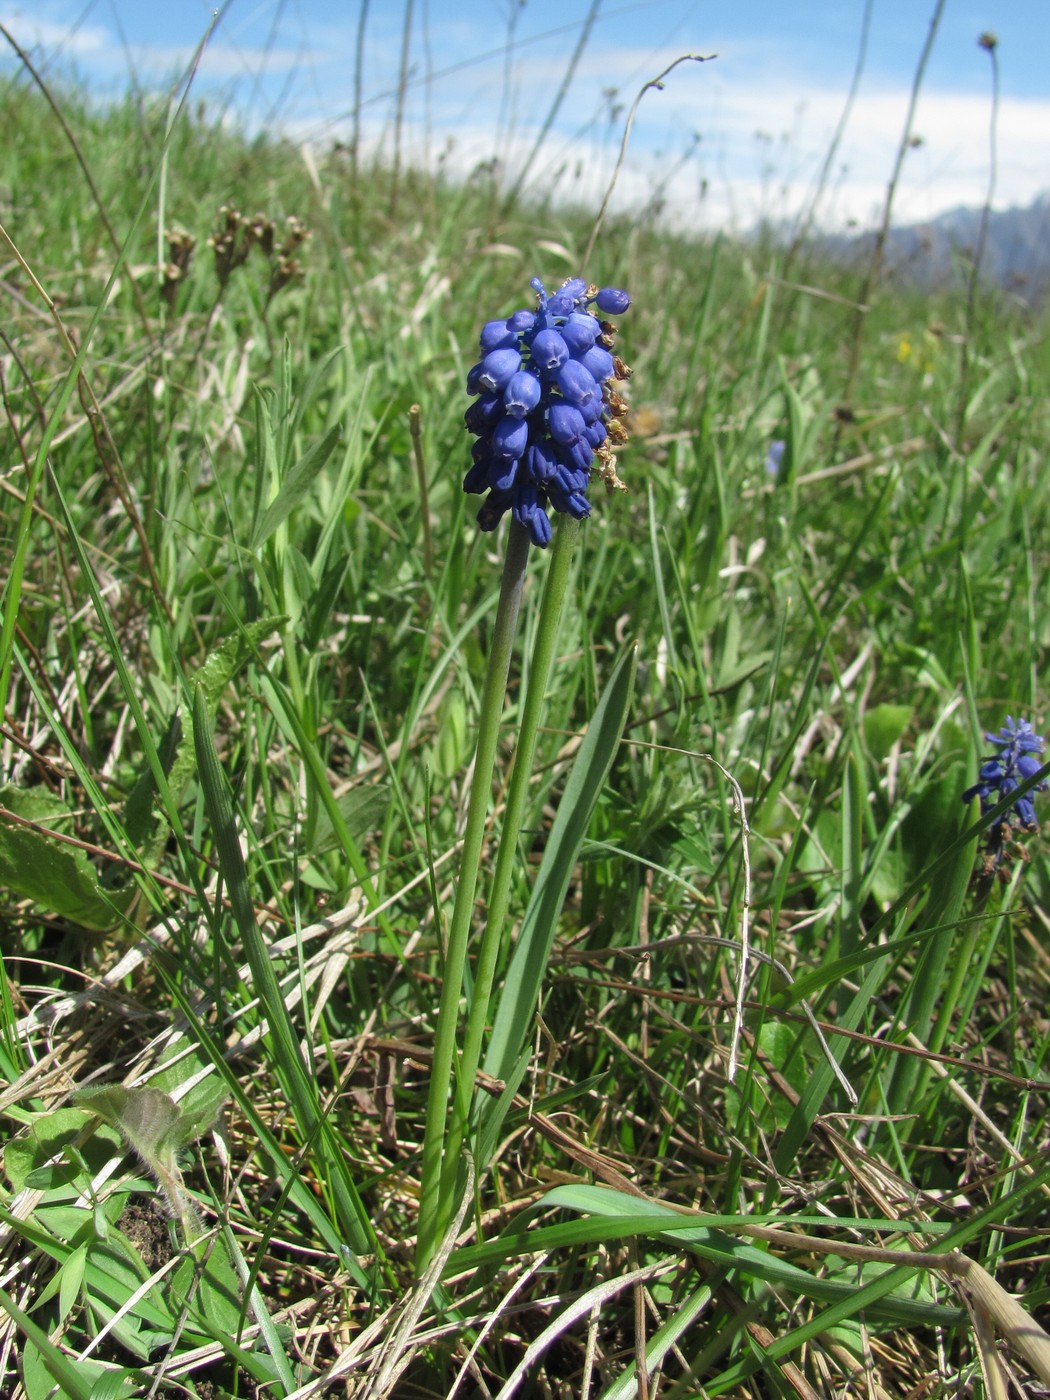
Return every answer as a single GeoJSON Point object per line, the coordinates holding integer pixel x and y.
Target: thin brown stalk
{"type": "Point", "coordinates": [808, 219]}
{"type": "Point", "coordinates": [81, 160]}
{"type": "Point", "coordinates": [989, 43]}
{"type": "Point", "coordinates": [878, 249]}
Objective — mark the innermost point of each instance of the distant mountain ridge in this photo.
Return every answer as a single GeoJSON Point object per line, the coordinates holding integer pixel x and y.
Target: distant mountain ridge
{"type": "Point", "coordinates": [1016, 254]}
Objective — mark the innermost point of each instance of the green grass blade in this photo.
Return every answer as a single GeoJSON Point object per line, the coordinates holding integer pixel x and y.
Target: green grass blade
{"type": "Point", "coordinates": [353, 1217]}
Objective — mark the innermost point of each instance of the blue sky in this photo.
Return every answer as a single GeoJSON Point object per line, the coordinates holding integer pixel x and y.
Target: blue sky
{"type": "Point", "coordinates": [740, 137]}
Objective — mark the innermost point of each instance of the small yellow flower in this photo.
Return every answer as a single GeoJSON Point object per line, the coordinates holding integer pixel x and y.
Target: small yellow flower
{"type": "Point", "coordinates": [904, 350]}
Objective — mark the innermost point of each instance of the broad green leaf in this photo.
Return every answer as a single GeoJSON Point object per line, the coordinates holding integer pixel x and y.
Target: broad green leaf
{"type": "Point", "coordinates": [37, 1380]}
{"type": "Point", "coordinates": [779, 1044]}
{"type": "Point", "coordinates": [112, 1384]}
{"type": "Point", "coordinates": [147, 1118]}
{"type": "Point", "coordinates": [52, 874]}
{"type": "Point", "coordinates": [74, 1223]}
{"type": "Point", "coordinates": [48, 1364]}
{"type": "Point", "coordinates": [298, 584]}
{"type": "Point", "coordinates": [295, 487]}
{"type": "Point", "coordinates": [199, 1108]}
{"type": "Point", "coordinates": [452, 747]}
{"type": "Point", "coordinates": [114, 1271]}
{"type": "Point", "coordinates": [54, 1175]}
{"type": "Point", "coordinates": [152, 1124]}
{"type": "Point", "coordinates": [70, 1280]}
{"type": "Point", "coordinates": [321, 602]}
{"type": "Point", "coordinates": [139, 810]}
{"type": "Point", "coordinates": [211, 1289]}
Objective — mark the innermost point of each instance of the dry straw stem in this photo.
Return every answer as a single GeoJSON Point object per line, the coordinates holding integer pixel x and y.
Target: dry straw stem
{"type": "Point", "coordinates": [657, 83]}
{"type": "Point", "coordinates": [743, 947]}
{"type": "Point", "coordinates": [990, 1300]}
{"type": "Point", "coordinates": [745, 916]}
{"type": "Point", "coordinates": [972, 1106]}
{"type": "Point", "coordinates": [495, 1318]}
{"type": "Point", "coordinates": [400, 1338]}
{"type": "Point", "coordinates": [991, 1365]}
{"type": "Point", "coordinates": [399, 1350]}
{"type": "Point", "coordinates": [415, 429]}
{"type": "Point", "coordinates": [992, 1303]}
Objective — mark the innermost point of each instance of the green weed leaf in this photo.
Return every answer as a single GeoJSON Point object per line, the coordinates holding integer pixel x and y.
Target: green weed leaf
{"type": "Point", "coordinates": [362, 809]}
{"type": "Point", "coordinates": [213, 677]}
{"type": "Point", "coordinates": [200, 1107]}
{"type": "Point", "coordinates": [48, 1137]}
{"type": "Point", "coordinates": [156, 1128]}
{"type": "Point", "coordinates": [71, 1279]}
{"type": "Point", "coordinates": [148, 1119]}
{"type": "Point", "coordinates": [883, 726]}
{"type": "Point", "coordinates": [44, 1364]}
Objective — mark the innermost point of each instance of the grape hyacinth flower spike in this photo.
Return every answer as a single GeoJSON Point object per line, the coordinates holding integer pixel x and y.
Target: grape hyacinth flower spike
{"type": "Point", "coordinates": [546, 412]}
{"type": "Point", "coordinates": [1016, 759]}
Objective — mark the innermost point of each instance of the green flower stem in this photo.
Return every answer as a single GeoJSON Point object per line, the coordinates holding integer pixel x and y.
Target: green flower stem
{"type": "Point", "coordinates": [497, 929]}
{"type": "Point", "coordinates": [441, 1074]}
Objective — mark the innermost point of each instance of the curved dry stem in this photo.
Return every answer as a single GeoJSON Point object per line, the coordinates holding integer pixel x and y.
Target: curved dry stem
{"type": "Point", "coordinates": [658, 83]}
{"type": "Point", "coordinates": [580, 1307]}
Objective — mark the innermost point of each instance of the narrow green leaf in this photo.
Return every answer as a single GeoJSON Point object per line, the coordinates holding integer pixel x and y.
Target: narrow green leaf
{"type": "Point", "coordinates": [71, 1278]}
{"type": "Point", "coordinates": [353, 1218]}
{"type": "Point", "coordinates": [608, 1215]}
{"type": "Point", "coordinates": [854, 796]}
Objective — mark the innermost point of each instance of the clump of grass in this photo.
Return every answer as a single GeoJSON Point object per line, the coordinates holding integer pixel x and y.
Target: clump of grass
{"type": "Point", "coordinates": [244, 671]}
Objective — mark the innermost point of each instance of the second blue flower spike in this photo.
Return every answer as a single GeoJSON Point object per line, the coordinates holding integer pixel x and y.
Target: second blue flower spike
{"type": "Point", "coordinates": [1018, 743]}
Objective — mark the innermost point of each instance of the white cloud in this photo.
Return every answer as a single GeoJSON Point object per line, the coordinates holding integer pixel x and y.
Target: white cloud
{"type": "Point", "coordinates": [99, 53]}
{"type": "Point", "coordinates": [738, 177]}
{"type": "Point", "coordinates": [764, 127]}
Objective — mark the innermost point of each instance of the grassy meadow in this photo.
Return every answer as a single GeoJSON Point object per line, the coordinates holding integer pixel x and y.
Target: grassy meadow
{"type": "Point", "coordinates": [247, 621]}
